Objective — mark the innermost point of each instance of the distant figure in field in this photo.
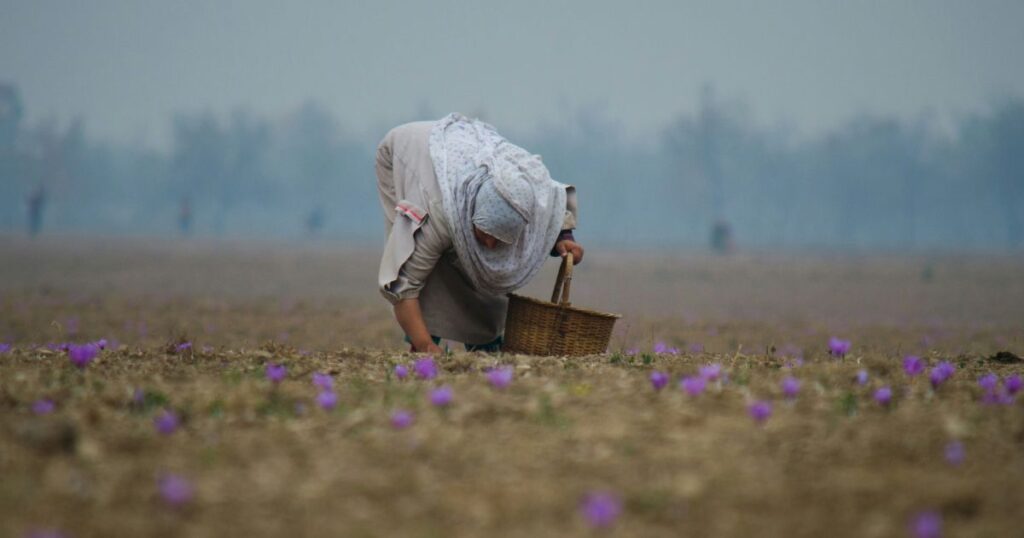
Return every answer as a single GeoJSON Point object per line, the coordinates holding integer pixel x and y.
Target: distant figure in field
{"type": "Point", "coordinates": [469, 217]}
{"type": "Point", "coordinates": [36, 205]}
{"type": "Point", "coordinates": [315, 221]}
{"type": "Point", "coordinates": [185, 216]}
{"type": "Point", "coordinates": [721, 237]}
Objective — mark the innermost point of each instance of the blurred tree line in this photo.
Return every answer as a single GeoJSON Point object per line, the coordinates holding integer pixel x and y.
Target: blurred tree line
{"type": "Point", "coordinates": [873, 183]}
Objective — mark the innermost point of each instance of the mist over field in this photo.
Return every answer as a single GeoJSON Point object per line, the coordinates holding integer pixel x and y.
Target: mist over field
{"type": "Point", "coordinates": [831, 126]}
{"type": "Point", "coordinates": [800, 312]}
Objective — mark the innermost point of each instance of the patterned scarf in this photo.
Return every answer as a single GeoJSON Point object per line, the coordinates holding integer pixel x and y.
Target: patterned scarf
{"type": "Point", "coordinates": [469, 153]}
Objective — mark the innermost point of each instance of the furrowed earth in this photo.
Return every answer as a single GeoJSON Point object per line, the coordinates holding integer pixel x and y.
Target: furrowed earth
{"type": "Point", "coordinates": [264, 459]}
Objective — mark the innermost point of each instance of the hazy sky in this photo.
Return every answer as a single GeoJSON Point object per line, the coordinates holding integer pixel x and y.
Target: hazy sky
{"type": "Point", "coordinates": [126, 66]}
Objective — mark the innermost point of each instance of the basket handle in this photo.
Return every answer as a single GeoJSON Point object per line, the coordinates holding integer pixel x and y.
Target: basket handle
{"type": "Point", "coordinates": [563, 281]}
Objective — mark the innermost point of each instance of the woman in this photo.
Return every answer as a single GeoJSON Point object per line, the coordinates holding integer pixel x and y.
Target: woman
{"type": "Point", "coordinates": [470, 217]}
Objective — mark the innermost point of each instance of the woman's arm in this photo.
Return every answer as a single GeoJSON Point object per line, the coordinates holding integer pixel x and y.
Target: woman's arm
{"type": "Point", "coordinates": [410, 318]}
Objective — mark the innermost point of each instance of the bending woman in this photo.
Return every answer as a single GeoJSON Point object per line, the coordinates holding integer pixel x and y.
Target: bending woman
{"type": "Point", "coordinates": [469, 218]}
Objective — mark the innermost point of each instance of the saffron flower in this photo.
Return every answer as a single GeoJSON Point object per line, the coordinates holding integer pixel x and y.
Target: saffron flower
{"type": "Point", "coordinates": [175, 490]}
{"type": "Point", "coordinates": [4, 348]}
{"type": "Point", "coordinates": [989, 381]}
{"type": "Point", "coordinates": [43, 406]}
{"type": "Point", "coordinates": [327, 400]}
{"type": "Point", "coordinates": [760, 411]}
{"type": "Point", "coordinates": [183, 347]}
{"type": "Point", "coordinates": [500, 377]}
{"type": "Point", "coordinates": [600, 508]}
{"type": "Point", "coordinates": [659, 380]}
{"type": "Point", "coordinates": [660, 347]}
{"type": "Point", "coordinates": [913, 365]}
{"type": "Point", "coordinates": [926, 525]}
{"type": "Point", "coordinates": [441, 396]}
{"type": "Point", "coordinates": [711, 372]}
{"type": "Point", "coordinates": [166, 422]}
{"type": "Point", "coordinates": [955, 453]}
{"type": "Point", "coordinates": [425, 368]}
{"type": "Point", "coordinates": [323, 381]}
{"type": "Point", "coordinates": [838, 347]}
{"type": "Point", "coordinates": [82, 355]}
{"type": "Point", "coordinates": [940, 373]}
{"type": "Point", "coordinates": [692, 385]}
{"type": "Point", "coordinates": [1013, 384]}
{"type": "Point", "coordinates": [276, 373]}
{"type": "Point", "coordinates": [401, 419]}
{"type": "Point", "coordinates": [997, 396]}
{"type": "Point", "coordinates": [883, 396]}
{"type": "Point", "coordinates": [790, 387]}
{"type": "Point", "coordinates": [862, 377]}
{"type": "Point", "coordinates": [401, 371]}
{"type": "Point", "coordinates": [101, 343]}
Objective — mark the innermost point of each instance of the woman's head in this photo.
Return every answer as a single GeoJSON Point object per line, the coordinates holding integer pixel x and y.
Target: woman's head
{"type": "Point", "coordinates": [495, 217]}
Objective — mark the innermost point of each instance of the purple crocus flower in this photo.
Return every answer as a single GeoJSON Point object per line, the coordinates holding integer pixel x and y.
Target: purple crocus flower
{"type": "Point", "coordinates": [323, 381]}
{"type": "Point", "coordinates": [659, 380]}
{"type": "Point", "coordinates": [101, 343]}
{"type": "Point", "coordinates": [43, 406]}
{"type": "Point", "coordinates": [997, 396]}
{"type": "Point", "coordinates": [175, 490]}
{"type": "Point", "coordinates": [660, 347]}
{"type": "Point", "coordinates": [166, 422]}
{"type": "Point", "coordinates": [401, 371]}
{"type": "Point", "coordinates": [940, 373]}
{"type": "Point", "coordinates": [883, 396]}
{"type": "Point", "coordinates": [693, 385]}
{"type": "Point", "coordinates": [276, 373]}
{"type": "Point", "coordinates": [926, 525]}
{"type": "Point", "coordinates": [500, 377]}
{"type": "Point", "coordinates": [600, 508]}
{"type": "Point", "coordinates": [183, 347]}
{"type": "Point", "coordinates": [790, 387]}
{"type": "Point", "coordinates": [441, 396]}
{"type": "Point", "coordinates": [760, 411]}
{"type": "Point", "coordinates": [425, 368]}
{"type": "Point", "coordinates": [955, 453]}
{"type": "Point", "coordinates": [327, 400]}
{"type": "Point", "coordinates": [1013, 384]}
{"type": "Point", "coordinates": [838, 347]}
{"type": "Point", "coordinates": [82, 355]}
{"type": "Point", "coordinates": [711, 372]}
{"type": "Point", "coordinates": [4, 348]}
{"type": "Point", "coordinates": [988, 381]}
{"type": "Point", "coordinates": [862, 377]}
{"type": "Point", "coordinates": [913, 365]}
{"type": "Point", "coordinates": [401, 419]}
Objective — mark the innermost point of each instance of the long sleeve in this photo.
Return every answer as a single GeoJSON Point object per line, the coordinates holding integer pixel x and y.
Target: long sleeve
{"type": "Point", "coordinates": [431, 241]}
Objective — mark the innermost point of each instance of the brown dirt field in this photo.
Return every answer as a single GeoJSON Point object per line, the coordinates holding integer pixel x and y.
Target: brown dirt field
{"type": "Point", "coordinates": [267, 461]}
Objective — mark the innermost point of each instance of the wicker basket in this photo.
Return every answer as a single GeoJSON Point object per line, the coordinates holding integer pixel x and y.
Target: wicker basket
{"type": "Point", "coordinates": [537, 327]}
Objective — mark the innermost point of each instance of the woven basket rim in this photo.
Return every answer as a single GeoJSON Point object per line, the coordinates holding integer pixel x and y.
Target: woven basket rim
{"type": "Point", "coordinates": [549, 304]}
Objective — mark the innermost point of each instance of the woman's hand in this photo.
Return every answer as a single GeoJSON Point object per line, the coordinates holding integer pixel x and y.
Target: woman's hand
{"type": "Point", "coordinates": [410, 317]}
{"type": "Point", "coordinates": [432, 348]}
{"type": "Point", "coordinates": [568, 245]}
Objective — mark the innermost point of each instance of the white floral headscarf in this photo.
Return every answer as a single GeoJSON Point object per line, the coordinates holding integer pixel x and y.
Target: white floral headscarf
{"type": "Point", "coordinates": [469, 153]}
